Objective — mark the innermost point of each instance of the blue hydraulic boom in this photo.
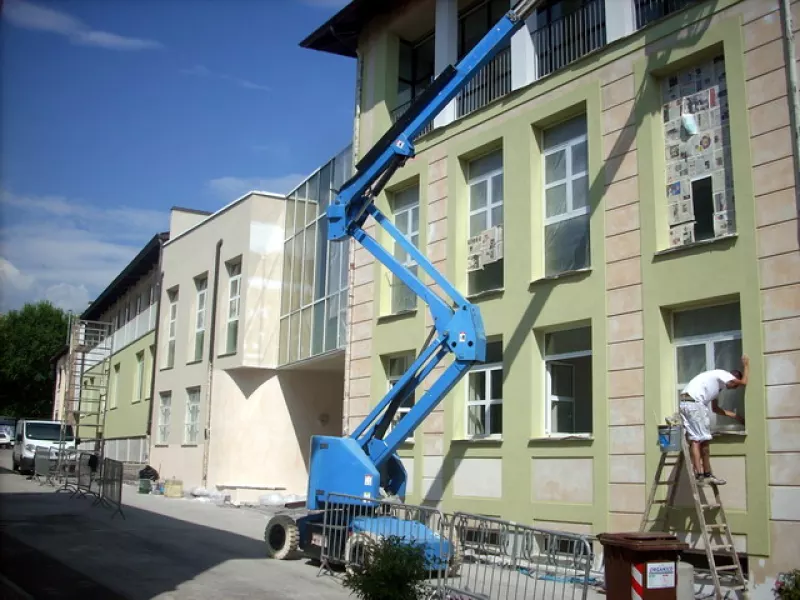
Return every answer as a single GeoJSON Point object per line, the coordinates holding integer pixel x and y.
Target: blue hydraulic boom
{"type": "Point", "coordinates": [365, 464]}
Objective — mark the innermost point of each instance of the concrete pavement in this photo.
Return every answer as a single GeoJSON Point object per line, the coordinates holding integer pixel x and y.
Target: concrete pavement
{"type": "Point", "coordinates": [163, 549]}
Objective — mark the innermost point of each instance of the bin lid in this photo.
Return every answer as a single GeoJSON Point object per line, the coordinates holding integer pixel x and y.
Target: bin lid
{"type": "Point", "coordinates": [643, 540]}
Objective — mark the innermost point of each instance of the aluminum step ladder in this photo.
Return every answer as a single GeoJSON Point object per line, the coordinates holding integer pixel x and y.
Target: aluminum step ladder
{"type": "Point", "coordinates": [710, 516]}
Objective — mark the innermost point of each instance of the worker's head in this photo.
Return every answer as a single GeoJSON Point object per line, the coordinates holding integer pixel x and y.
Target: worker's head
{"type": "Point", "coordinates": [735, 383]}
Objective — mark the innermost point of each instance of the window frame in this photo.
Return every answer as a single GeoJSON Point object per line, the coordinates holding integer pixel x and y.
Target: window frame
{"type": "Point", "coordinates": [410, 234]}
{"type": "Point", "coordinates": [139, 381]}
{"type": "Point", "coordinates": [487, 402]}
{"type": "Point", "coordinates": [549, 360]}
{"type": "Point", "coordinates": [471, 181]}
{"type": "Point", "coordinates": [172, 329]}
{"type": "Point", "coordinates": [190, 394]}
{"type": "Point", "coordinates": [114, 396]}
{"type": "Point", "coordinates": [164, 423]}
{"type": "Point", "coordinates": [201, 298]}
{"type": "Point", "coordinates": [234, 278]}
{"type": "Point", "coordinates": [402, 410]}
{"type": "Point", "coordinates": [570, 177]}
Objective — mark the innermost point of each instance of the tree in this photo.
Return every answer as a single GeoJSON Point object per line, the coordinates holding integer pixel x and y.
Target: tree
{"type": "Point", "coordinates": [29, 337]}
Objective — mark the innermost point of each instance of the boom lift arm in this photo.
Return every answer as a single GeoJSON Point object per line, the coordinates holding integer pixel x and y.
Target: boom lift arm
{"type": "Point", "coordinates": [364, 464]}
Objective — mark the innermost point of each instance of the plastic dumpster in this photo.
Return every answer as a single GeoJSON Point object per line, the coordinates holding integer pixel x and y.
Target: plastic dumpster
{"type": "Point", "coordinates": [641, 565]}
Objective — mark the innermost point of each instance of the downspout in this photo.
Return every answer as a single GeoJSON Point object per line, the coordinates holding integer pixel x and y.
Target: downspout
{"type": "Point", "coordinates": [790, 59]}
{"type": "Point", "coordinates": [210, 373]}
{"type": "Point", "coordinates": [156, 294]}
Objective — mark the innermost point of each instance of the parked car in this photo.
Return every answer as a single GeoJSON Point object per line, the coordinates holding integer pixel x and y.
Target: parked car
{"type": "Point", "coordinates": [33, 433]}
{"type": "Point", "coordinates": [5, 440]}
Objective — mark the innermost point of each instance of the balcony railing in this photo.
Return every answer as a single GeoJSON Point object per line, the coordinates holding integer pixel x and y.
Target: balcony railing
{"type": "Point", "coordinates": [489, 84]}
{"type": "Point", "coordinates": [398, 112]}
{"type": "Point", "coordinates": [141, 324]}
{"type": "Point", "coordinates": [647, 11]}
{"type": "Point", "coordinates": [571, 37]}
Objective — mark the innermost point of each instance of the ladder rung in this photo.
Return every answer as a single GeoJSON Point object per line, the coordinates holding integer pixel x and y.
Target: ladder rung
{"type": "Point", "coordinates": [711, 506]}
{"type": "Point", "coordinates": [727, 568]}
{"type": "Point", "coordinates": [717, 526]}
{"type": "Point", "coordinates": [714, 548]}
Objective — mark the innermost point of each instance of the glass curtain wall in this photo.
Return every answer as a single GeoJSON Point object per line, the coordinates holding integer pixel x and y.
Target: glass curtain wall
{"type": "Point", "coordinates": [315, 271]}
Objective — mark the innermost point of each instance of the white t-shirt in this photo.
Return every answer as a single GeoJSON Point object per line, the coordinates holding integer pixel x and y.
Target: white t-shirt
{"type": "Point", "coordinates": [705, 387]}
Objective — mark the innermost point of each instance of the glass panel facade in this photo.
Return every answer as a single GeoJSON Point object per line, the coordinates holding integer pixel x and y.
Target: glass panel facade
{"type": "Point", "coordinates": [315, 271]}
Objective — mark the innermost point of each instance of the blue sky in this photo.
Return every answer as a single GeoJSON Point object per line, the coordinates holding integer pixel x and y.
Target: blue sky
{"type": "Point", "coordinates": [112, 112]}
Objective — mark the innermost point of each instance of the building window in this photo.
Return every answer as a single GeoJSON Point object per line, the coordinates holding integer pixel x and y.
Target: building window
{"type": "Point", "coordinates": [710, 338]}
{"type": "Point", "coordinates": [476, 22]}
{"type": "Point", "coordinates": [234, 297]}
{"type": "Point", "coordinates": [138, 307]}
{"type": "Point", "coordinates": [566, 192]}
{"type": "Point", "coordinates": [405, 206]}
{"type": "Point", "coordinates": [192, 419]}
{"type": "Point", "coordinates": [417, 62]}
{"type": "Point", "coordinates": [485, 245]}
{"type": "Point", "coordinates": [114, 396]}
{"type": "Point", "coordinates": [164, 414]}
{"type": "Point", "coordinates": [700, 195]}
{"type": "Point", "coordinates": [138, 391]}
{"type": "Point", "coordinates": [201, 285]}
{"type": "Point", "coordinates": [172, 328]}
{"type": "Point", "coordinates": [568, 363]}
{"type": "Point", "coordinates": [485, 394]}
{"type": "Point", "coordinates": [396, 367]}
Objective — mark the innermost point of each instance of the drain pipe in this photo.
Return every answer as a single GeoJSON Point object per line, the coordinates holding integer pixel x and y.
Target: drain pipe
{"type": "Point", "coordinates": [210, 373]}
{"type": "Point", "coordinates": [156, 294]}
{"type": "Point", "coordinates": [790, 59]}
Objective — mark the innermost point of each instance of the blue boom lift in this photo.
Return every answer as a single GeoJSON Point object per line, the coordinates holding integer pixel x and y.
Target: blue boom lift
{"type": "Point", "coordinates": [364, 465]}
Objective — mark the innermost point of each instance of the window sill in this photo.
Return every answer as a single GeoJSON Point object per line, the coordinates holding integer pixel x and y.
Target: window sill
{"type": "Point", "coordinates": [166, 368]}
{"type": "Point", "coordinates": [577, 437]}
{"type": "Point", "coordinates": [227, 355]}
{"type": "Point", "coordinates": [189, 445]}
{"type": "Point", "coordinates": [488, 440]}
{"type": "Point", "coordinates": [194, 362]}
{"type": "Point", "coordinates": [563, 275]}
{"type": "Point", "coordinates": [730, 238]}
{"type": "Point", "coordinates": [160, 445]}
{"type": "Point", "coordinates": [397, 316]}
{"type": "Point", "coordinates": [487, 294]}
{"type": "Point", "coordinates": [734, 434]}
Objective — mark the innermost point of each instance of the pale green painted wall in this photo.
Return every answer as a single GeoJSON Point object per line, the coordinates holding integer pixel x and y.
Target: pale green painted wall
{"type": "Point", "coordinates": [527, 303]}
{"type": "Point", "coordinates": [127, 417]}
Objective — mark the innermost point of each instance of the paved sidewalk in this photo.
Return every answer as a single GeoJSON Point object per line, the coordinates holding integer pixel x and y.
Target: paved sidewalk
{"type": "Point", "coordinates": [164, 548]}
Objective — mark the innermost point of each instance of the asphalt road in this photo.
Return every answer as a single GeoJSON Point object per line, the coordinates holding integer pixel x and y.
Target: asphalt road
{"type": "Point", "coordinates": [56, 547]}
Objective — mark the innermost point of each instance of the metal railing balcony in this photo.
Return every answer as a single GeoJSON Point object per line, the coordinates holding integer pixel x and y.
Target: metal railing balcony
{"type": "Point", "coordinates": [647, 11]}
{"type": "Point", "coordinates": [569, 38]}
{"type": "Point", "coordinates": [398, 112]}
{"type": "Point", "coordinates": [489, 84]}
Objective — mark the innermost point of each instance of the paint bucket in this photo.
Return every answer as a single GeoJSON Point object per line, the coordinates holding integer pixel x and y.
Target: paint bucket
{"type": "Point", "coordinates": [669, 438]}
{"type": "Point", "coordinates": [145, 485]}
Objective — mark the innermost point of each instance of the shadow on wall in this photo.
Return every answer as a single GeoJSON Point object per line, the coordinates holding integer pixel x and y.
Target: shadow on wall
{"type": "Point", "coordinates": [658, 52]}
{"type": "Point", "coordinates": [314, 400]}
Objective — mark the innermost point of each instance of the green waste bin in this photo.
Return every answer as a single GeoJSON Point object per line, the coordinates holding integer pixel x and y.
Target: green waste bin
{"type": "Point", "coordinates": [641, 565]}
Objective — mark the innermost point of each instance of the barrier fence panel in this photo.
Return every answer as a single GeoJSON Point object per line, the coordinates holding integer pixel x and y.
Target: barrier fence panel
{"type": "Point", "coordinates": [352, 524]}
{"type": "Point", "coordinates": [43, 464]}
{"type": "Point", "coordinates": [67, 470]}
{"type": "Point", "coordinates": [502, 559]}
{"type": "Point", "coordinates": [86, 472]}
{"type": "Point", "coordinates": [111, 486]}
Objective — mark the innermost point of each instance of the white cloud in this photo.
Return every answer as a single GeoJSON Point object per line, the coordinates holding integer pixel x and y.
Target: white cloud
{"type": "Point", "coordinates": [65, 251]}
{"type": "Point", "coordinates": [38, 18]}
{"type": "Point", "coordinates": [201, 71]}
{"type": "Point", "coordinates": [230, 188]}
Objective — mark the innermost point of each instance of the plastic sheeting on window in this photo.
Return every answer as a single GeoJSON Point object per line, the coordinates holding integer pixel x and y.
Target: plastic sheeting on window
{"type": "Point", "coordinates": [566, 245]}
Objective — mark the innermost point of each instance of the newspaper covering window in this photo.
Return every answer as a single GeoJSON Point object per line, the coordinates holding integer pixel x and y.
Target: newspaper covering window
{"type": "Point", "coordinates": [700, 198]}
{"type": "Point", "coordinates": [485, 242]}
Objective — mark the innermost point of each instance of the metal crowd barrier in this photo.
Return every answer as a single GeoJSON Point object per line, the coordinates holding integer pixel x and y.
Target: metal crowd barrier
{"type": "Point", "coordinates": [44, 465]}
{"type": "Point", "coordinates": [111, 486]}
{"type": "Point", "coordinates": [85, 475]}
{"type": "Point", "coordinates": [469, 556]}
{"type": "Point", "coordinates": [66, 469]}
{"type": "Point", "coordinates": [503, 559]}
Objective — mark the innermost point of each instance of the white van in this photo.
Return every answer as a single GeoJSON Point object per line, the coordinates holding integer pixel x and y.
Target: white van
{"type": "Point", "coordinates": [31, 433]}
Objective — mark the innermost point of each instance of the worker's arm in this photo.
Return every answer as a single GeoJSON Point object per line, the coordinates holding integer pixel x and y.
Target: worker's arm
{"type": "Point", "coordinates": [745, 370]}
{"type": "Point", "coordinates": [728, 413]}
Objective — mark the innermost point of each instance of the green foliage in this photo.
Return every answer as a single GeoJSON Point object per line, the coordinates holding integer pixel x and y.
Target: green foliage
{"type": "Point", "coordinates": [29, 337]}
{"type": "Point", "coordinates": [788, 586]}
{"type": "Point", "coordinates": [392, 570]}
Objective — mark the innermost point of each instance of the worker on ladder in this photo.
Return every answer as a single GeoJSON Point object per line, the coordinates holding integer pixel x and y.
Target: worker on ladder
{"type": "Point", "coordinates": [698, 396]}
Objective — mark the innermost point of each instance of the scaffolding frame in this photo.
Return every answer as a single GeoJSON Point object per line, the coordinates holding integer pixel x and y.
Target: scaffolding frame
{"type": "Point", "coordinates": [88, 375]}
